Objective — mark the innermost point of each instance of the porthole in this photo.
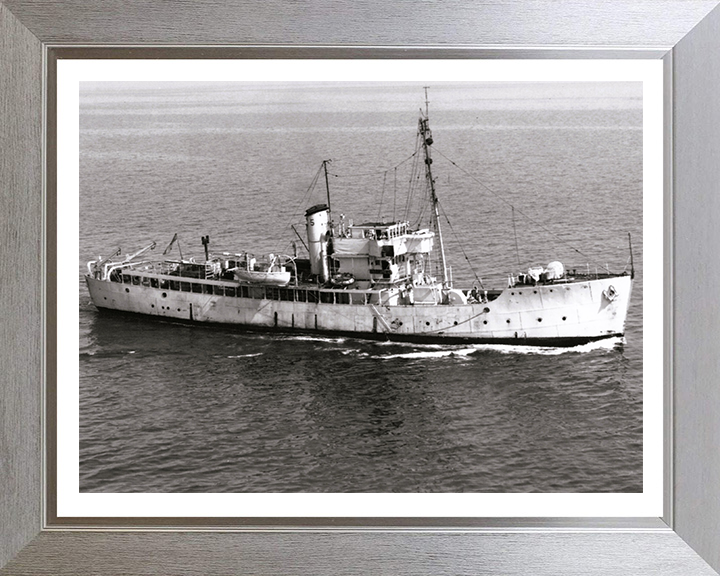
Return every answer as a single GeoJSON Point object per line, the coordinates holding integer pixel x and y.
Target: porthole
{"type": "Point", "coordinates": [105, 297]}
{"type": "Point", "coordinates": [455, 322]}
{"type": "Point", "coordinates": [427, 323]}
{"type": "Point", "coordinates": [127, 289]}
{"type": "Point", "coordinates": [178, 309]}
{"type": "Point", "coordinates": [164, 294]}
{"type": "Point", "coordinates": [484, 321]}
{"type": "Point", "coordinates": [534, 291]}
{"type": "Point", "coordinates": [152, 305]}
{"type": "Point", "coordinates": [512, 293]}
{"type": "Point", "coordinates": [508, 320]}
{"type": "Point", "coordinates": [564, 318]}
{"type": "Point", "coordinates": [550, 289]}
{"type": "Point", "coordinates": [539, 319]}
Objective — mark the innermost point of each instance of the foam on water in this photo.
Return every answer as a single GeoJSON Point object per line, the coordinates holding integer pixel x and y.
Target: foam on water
{"type": "Point", "coordinates": [431, 354]}
{"type": "Point", "coordinates": [445, 351]}
{"type": "Point", "coordinates": [605, 344]}
{"type": "Point", "coordinates": [315, 413]}
{"type": "Point", "coordinates": [412, 344]}
{"type": "Point", "coordinates": [313, 339]}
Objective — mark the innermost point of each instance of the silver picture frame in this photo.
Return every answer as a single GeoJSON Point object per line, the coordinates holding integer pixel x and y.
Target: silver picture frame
{"type": "Point", "coordinates": [685, 35]}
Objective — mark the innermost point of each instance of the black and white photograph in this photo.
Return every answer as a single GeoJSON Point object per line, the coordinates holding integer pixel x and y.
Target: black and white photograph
{"type": "Point", "coordinates": [361, 287]}
{"type": "Point", "coordinates": [384, 288]}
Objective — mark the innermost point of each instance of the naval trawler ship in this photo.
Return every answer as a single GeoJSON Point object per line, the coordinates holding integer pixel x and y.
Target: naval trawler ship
{"type": "Point", "coordinates": [378, 280]}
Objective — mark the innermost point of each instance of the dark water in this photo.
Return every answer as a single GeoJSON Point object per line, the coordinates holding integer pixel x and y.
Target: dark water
{"type": "Point", "coordinates": [176, 408]}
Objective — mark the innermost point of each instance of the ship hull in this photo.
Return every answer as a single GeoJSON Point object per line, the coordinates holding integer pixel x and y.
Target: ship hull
{"type": "Point", "coordinates": [552, 314]}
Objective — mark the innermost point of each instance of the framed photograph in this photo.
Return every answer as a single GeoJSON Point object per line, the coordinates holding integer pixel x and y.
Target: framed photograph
{"type": "Point", "coordinates": [392, 316]}
{"type": "Point", "coordinates": [495, 351]}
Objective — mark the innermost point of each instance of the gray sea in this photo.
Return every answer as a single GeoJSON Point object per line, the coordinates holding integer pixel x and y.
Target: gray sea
{"type": "Point", "coordinates": [536, 173]}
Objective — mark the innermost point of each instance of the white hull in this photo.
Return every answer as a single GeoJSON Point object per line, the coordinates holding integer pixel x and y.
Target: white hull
{"type": "Point", "coordinates": [553, 313]}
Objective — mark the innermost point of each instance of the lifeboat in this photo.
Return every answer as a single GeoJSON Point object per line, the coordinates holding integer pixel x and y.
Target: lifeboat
{"type": "Point", "coordinates": [274, 278]}
{"type": "Point", "coordinates": [270, 272]}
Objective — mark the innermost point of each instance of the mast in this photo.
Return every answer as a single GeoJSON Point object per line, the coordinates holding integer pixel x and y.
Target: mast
{"type": "Point", "coordinates": [327, 184]}
{"type": "Point", "coordinates": [424, 127]}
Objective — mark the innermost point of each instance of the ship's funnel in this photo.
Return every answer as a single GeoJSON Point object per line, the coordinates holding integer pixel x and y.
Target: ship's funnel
{"type": "Point", "coordinates": [316, 219]}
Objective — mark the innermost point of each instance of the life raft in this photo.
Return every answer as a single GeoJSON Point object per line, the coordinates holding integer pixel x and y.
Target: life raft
{"type": "Point", "coordinates": [344, 279]}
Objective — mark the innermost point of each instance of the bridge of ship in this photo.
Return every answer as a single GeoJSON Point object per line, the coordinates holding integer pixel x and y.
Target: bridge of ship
{"type": "Point", "coordinates": [381, 251]}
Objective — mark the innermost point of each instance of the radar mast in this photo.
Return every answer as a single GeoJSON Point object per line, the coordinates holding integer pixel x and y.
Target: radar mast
{"type": "Point", "coordinates": [426, 134]}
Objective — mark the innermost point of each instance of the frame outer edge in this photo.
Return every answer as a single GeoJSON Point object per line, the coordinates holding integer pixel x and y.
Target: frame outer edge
{"type": "Point", "coordinates": [20, 227]}
{"type": "Point", "coordinates": [668, 304]}
{"type": "Point", "coordinates": [696, 109]}
{"type": "Point", "coordinates": [83, 553]}
{"type": "Point", "coordinates": [540, 23]}
{"type": "Point", "coordinates": [20, 284]}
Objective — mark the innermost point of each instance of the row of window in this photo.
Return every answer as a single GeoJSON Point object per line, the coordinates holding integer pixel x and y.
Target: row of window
{"type": "Point", "coordinates": [258, 292]}
{"type": "Point", "coordinates": [390, 259]}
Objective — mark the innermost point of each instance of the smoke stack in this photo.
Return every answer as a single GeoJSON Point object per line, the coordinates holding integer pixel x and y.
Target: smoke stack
{"type": "Point", "coordinates": [317, 222]}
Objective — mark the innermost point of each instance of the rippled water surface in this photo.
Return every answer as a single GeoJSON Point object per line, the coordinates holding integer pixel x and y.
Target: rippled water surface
{"type": "Point", "coordinates": [166, 407]}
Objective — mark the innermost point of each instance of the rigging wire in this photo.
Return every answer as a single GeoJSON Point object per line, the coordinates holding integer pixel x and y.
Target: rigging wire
{"type": "Point", "coordinates": [376, 173]}
{"type": "Point", "coordinates": [414, 178]}
{"type": "Point", "coordinates": [303, 202]}
{"type": "Point", "coordinates": [306, 196]}
{"type": "Point", "coordinates": [500, 197]}
{"type": "Point", "coordinates": [517, 250]}
{"type": "Point", "coordinates": [382, 195]}
{"type": "Point", "coordinates": [462, 248]}
{"type": "Point", "coordinates": [395, 193]}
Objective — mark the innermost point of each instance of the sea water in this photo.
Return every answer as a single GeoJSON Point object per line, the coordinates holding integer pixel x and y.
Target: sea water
{"type": "Point", "coordinates": [539, 172]}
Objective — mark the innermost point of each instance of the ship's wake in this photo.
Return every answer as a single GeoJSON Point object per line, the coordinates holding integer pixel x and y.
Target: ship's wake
{"type": "Point", "coordinates": [411, 350]}
{"type": "Point", "coordinates": [607, 344]}
{"type": "Point", "coordinates": [440, 351]}
{"type": "Point", "coordinates": [459, 352]}
{"type": "Point", "coordinates": [312, 338]}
